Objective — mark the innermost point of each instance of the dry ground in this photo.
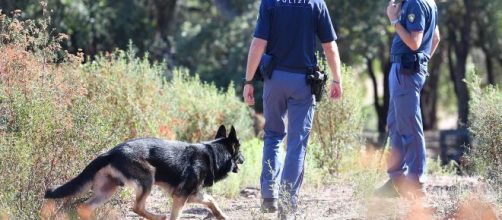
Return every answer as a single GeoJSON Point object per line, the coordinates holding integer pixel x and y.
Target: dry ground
{"type": "Point", "coordinates": [447, 198]}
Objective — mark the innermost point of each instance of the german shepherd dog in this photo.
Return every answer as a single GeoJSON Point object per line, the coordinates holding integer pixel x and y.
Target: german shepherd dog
{"type": "Point", "coordinates": [180, 169]}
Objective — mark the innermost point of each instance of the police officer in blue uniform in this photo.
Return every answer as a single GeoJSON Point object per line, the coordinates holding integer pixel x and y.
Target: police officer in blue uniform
{"type": "Point", "coordinates": [287, 30]}
{"type": "Point", "coordinates": [416, 39]}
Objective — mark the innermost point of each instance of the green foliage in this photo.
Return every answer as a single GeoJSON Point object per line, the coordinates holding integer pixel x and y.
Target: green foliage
{"type": "Point", "coordinates": [182, 107]}
{"type": "Point", "coordinates": [486, 128]}
{"type": "Point", "coordinates": [338, 125]}
{"type": "Point", "coordinates": [200, 104]}
{"type": "Point", "coordinates": [435, 168]}
{"type": "Point", "coordinates": [55, 118]}
{"type": "Point", "coordinates": [216, 47]}
{"type": "Point", "coordinates": [367, 39]}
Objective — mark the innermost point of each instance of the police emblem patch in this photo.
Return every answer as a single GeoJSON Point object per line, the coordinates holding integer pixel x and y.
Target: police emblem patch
{"type": "Point", "coordinates": [411, 18]}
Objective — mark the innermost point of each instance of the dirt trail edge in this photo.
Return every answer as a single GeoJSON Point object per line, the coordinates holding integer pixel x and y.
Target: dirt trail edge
{"type": "Point", "coordinates": [447, 197]}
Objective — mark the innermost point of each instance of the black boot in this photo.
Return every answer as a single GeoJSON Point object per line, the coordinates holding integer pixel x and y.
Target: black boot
{"type": "Point", "coordinates": [388, 190]}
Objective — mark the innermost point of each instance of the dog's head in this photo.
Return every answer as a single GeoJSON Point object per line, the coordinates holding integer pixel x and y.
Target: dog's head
{"type": "Point", "coordinates": [232, 145]}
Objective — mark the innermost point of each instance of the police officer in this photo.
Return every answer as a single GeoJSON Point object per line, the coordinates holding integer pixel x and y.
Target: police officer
{"type": "Point", "coordinates": [287, 30]}
{"type": "Point", "coordinates": [416, 39]}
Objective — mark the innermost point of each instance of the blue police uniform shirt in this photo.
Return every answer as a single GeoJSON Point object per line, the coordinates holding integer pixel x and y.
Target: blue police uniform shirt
{"type": "Point", "coordinates": [290, 28]}
{"type": "Point", "coordinates": [417, 16]}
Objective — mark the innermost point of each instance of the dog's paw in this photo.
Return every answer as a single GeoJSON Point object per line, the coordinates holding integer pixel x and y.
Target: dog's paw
{"type": "Point", "coordinates": [221, 217]}
{"type": "Point", "coordinates": [48, 209]}
{"type": "Point", "coordinates": [84, 212]}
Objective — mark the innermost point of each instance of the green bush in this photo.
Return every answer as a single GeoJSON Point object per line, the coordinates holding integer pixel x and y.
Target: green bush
{"type": "Point", "coordinates": [57, 114]}
{"type": "Point", "coordinates": [486, 127]}
{"type": "Point", "coordinates": [196, 105]}
{"type": "Point", "coordinates": [338, 125]}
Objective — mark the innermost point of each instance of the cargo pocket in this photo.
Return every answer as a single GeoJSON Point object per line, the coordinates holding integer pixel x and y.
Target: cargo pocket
{"type": "Point", "coordinates": [266, 90]}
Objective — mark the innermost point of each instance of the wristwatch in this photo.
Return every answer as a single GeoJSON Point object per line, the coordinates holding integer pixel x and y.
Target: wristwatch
{"type": "Point", "coordinates": [394, 22]}
{"type": "Point", "coordinates": [245, 81]}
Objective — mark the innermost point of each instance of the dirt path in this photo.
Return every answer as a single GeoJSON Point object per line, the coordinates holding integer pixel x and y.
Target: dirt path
{"type": "Point", "coordinates": [445, 197]}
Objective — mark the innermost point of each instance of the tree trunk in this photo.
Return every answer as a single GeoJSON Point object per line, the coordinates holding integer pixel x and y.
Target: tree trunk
{"type": "Point", "coordinates": [489, 67]}
{"type": "Point", "coordinates": [381, 108]}
{"type": "Point", "coordinates": [457, 74]}
{"type": "Point", "coordinates": [461, 89]}
{"type": "Point", "coordinates": [376, 97]}
{"type": "Point", "coordinates": [164, 15]}
{"type": "Point", "coordinates": [164, 12]}
{"type": "Point", "coordinates": [429, 96]}
{"type": "Point", "coordinates": [386, 66]}
{"type": "Point", "coordinates": [459, 40]}
{"type": "Point", "coordinates": [483, 42]}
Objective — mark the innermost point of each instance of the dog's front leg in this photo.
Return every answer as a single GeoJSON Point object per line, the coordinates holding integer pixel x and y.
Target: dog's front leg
{"type": "Point", "coordinates": [48, 209]}
{"type": "Point", "coordinates": [178, 204]}
{"type": "Point", "coordinates": [207, 200]}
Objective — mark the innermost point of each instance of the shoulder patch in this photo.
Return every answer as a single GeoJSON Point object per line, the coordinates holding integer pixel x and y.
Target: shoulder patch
{"type": "Point", "coordinates": [411, 18]}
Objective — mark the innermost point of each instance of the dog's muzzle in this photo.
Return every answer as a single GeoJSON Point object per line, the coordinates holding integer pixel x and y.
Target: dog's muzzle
{"type": "Point", "coordinates": [237, 161]}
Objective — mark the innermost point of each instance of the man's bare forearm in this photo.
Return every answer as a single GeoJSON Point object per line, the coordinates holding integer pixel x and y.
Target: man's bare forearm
{"type": "Point", "coordinates": [412, 39]}
{"type": "Point", "coordinates": [333, 58]}
{"type": "Point", "coordinates": [435, 40]}
{"type": "Point", "coordinates": [256, 50]}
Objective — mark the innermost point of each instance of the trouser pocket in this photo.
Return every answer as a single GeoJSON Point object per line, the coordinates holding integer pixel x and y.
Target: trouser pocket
{"type": "Point", "coordinates": [409, 64]}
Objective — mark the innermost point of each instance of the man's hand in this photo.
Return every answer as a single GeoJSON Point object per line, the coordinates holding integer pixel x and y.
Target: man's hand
{"type": "Point", "coordinates": [248, 94]}
{"type": "Point", "coordinates": [393, 11]}
{"type": "Point", "coordinates": [336, 91]}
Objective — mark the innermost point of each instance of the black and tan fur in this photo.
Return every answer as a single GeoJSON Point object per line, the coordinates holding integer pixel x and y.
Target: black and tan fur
{"type": "Point", "coordinates": [180, 169]}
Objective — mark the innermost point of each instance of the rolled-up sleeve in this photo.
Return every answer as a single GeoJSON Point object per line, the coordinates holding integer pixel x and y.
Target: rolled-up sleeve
{"type": "Point", "coordinates": [262, 30]}
{"type": "Point", "coordinates": [415, 19]}
{"type": "Point", "coordinates": [325, 31]}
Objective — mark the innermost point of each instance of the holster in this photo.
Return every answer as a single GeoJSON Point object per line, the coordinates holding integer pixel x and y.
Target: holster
{"type": "Point", "coordinates": [410, 63]}
{"type": "Point", "coordinates": [266, 67]}
{"type": "Point", "coordinates": [317, 80]}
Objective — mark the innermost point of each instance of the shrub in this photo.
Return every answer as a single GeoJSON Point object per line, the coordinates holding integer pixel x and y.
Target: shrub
{"type": "Point", "coordinates": [338, 125]}
{"type": "Point", "coordinates": [196, 105]}
{"type": "Point", "coordinates": [486, 127]}
{"type": "Point", "coordinates": [57, 114]}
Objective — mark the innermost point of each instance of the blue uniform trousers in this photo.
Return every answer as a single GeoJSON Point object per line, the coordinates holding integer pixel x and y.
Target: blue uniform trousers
{"type": "Point", "coordinates": [285, 95]}
{"type": "Point", "coordinates": [404, 122]}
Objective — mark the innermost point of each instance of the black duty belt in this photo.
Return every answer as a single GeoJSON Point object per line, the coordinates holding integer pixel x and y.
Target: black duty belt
{"type": "Point", "coordinates": [292, 69]}
{"type": "Point", "coordinates": [397, 58]}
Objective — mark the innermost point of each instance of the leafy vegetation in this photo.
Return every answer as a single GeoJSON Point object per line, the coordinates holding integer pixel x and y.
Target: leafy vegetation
{"type": "Point", "coordinates": [211, 38]}
{"type": "Point", "coordinates": [58, 114]}
{"type": "Point", "coordinates": [338, 125]}
{"type": "Point", "coordinates": [486, 127]}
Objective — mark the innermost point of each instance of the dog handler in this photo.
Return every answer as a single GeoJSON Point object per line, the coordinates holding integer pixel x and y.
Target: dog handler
{"type": "Point", "coordinates": [416, 39]}
{"type": "Point", "coordinates": [287, 30]}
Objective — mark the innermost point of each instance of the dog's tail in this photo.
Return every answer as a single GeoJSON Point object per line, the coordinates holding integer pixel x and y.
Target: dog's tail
{"type": "Point", "coordinates": [80, 182]}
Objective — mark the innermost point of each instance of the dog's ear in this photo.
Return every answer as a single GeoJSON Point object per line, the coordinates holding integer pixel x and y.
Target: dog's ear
{"type": "Point", "coordinates": [221, 133]}
{"type": "Point", "coordinates": [232, 135]}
